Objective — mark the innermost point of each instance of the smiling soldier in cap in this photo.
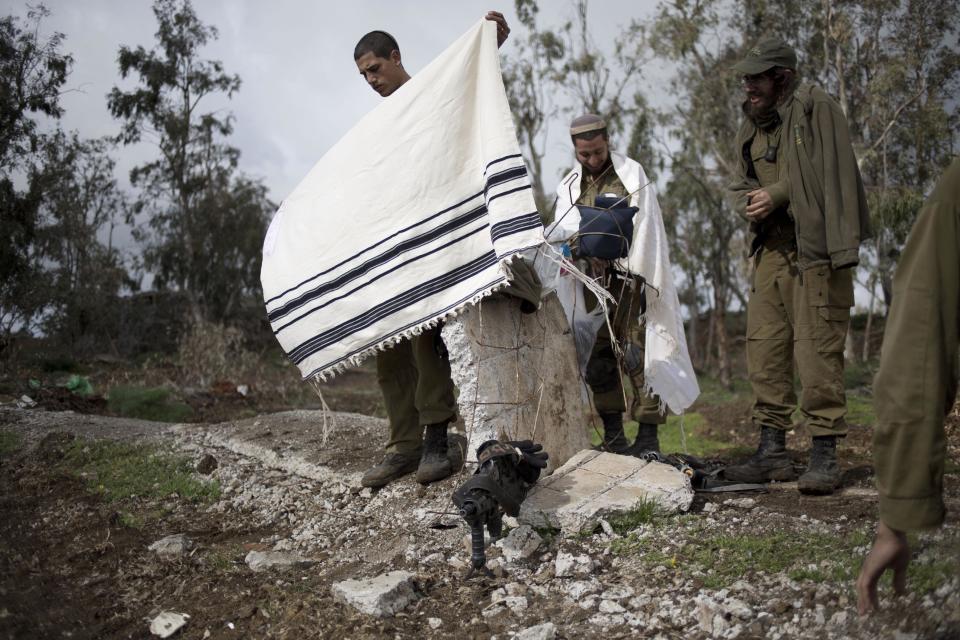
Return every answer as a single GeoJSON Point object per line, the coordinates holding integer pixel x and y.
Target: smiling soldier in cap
{"type": "Point", "coordinates": [601, 172]}
{"type": "Point", "coordinates": [799, 187]}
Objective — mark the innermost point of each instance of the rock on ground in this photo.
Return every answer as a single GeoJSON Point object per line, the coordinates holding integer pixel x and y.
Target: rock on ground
{"type": "Point", "coordinates": [518, 376]}
{"type": "Point", "coordinates": [520, 543]}
{"type": "Point", "coordinates": [168, 623]}
{"type": "Point", "coordinates": [545, 631]}
{"type": "Point", "coordinates": [261, 560]}
{"type": "Point", "coordinates": [381, 596]}
{"type": "Point", "coordinates": [175, 545]}
{"type": "Point", "coordinates": [593, 485]}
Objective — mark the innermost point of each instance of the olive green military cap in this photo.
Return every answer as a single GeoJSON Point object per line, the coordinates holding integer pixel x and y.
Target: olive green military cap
{"type": "Point", "coordinates": [766, 54]}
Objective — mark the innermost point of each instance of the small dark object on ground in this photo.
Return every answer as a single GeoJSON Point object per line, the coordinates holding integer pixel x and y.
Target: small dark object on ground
{"type": "Point", "coordinates": [207, 464]}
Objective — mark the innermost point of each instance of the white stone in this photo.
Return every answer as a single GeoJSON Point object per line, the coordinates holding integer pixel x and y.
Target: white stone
{"type": "Point", "coordinates": [618, 593]}
{"type": "Point", "coordinates": [580, 588]}
{"type": "Point", "coordinates": [594, 485]}
{"type": "Point", "coordinates": [174, 545]}
{"type": "Point", "coordinates": [738, 608]}
{"type": "Point", "coordinates": [381, 596]}
{"type": "Point", "coordinates": [609, 606]}
{"type": "Point", "coordinates": [515, 603]}
{"type": "Point", "coordinates": [545, 631]}
{"type": "Point", "coordinates": [260, 560]}
{"type": "Point", "coordinates": [741, 503]}
{"type": "Point", "coordinates": [517, 376]}
{"type": "Point", "coordinates": [520, 543]}
{"type": "Point", "coordinates": [839, 619]}
{"type": "Point", "coordinates": [564, 564]}
{"type": "Point", "coordinates": [710, 507]}
{"type": "Point", "coordinates": [434, 623]}
{"type": "Point", "coordinates": [168, 623]}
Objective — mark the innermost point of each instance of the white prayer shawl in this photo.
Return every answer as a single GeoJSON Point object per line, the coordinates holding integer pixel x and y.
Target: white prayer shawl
{"type": "Point", "coordinates": [407, 219]}
{"type": "Point", "coordinates": [667, 369]}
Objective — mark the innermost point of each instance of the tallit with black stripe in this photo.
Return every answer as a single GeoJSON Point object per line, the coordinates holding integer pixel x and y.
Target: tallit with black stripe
{"type": "Point", "coordinates": [406, 220]}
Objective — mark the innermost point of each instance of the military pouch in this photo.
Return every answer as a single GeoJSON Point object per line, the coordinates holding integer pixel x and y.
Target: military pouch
{"type": "Point", "coordinates": [828, 287]}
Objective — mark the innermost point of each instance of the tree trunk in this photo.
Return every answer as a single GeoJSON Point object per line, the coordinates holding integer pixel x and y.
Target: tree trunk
{"type": "Point", "coordinates": [865, 356]}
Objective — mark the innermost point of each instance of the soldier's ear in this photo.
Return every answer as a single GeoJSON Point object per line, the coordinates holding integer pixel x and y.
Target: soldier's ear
{"type": "Point", "coordinates": [395, 58]}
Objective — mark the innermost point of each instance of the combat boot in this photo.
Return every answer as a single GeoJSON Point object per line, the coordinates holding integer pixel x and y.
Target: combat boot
{"type": "Point", "coordinates": [770, 462]}
{"type": "Point", "coordinates": [822, 477]}
{"type": "Point", "coordinates": [393, 466]}
{"type": "Point", "coordinates": [614, 440]}
{"type": "Point", "coordinates": [646, 440]}
{"type": "Point", "coordinates": [434, 463]}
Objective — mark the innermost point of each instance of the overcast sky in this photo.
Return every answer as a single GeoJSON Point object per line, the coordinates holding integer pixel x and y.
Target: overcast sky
{"type": "Point", "coordinates": [301, 91]}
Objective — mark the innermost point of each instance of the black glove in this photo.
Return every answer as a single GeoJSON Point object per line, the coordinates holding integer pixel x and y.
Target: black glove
{"type": "Point", "coordinates": [532, 459]}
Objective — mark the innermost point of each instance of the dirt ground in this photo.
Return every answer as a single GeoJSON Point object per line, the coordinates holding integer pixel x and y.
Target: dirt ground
{"type": "Point", "coordinates": [75, 562]}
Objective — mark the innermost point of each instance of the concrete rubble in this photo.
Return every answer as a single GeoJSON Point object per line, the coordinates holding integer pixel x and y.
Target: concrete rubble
{"type": "Point", "coordinates": [592, 485]}
{"type": "Point", "coordinates": [177, 544]}
{"type": "Point", "coordinates": [380, 596]}
{"type": "Point", "coordinates": [520, 544]}
{"type": "Point", "coordinates": [262, 560]}
{"type": "Point", "coordinates": [518, 376]}
{"type": "Point", "coordinates": [168, 623]}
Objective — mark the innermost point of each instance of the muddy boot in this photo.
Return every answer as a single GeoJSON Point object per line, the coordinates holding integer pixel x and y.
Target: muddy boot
{"type": "Point", "coordinates": [646, 440]}
{"type": "Point", "coordinates": [822, 477]}
{"type": "Point", "coordinates": [770, 462]}
{"type": "Point", "coordinates": [434, 463]}
{"type": "Point", "coordinates": [613, 439]}
{"type": "Point", "coordinates": [389, 469]}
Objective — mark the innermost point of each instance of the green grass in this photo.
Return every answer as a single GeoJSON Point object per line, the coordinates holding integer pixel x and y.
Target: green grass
{"type": "Point", "coordinates": [9, 442]}
{"type": "Point", "coordinates": [860, 410]}
{"type": "Point", "coordinates": [712, 392]}
{"type": "Point", "coordinates": [147, 403]}
{"type": "Point", "coordinates": [671, 439]}
{"type": "Point", "coordinates": [859, 374]}
{"type": "Point", "coordinates": [644, 512]}
{"type": "Point", "coordinates": [723, 559]}
{"type": "Point", "coordinates": [118, 470]}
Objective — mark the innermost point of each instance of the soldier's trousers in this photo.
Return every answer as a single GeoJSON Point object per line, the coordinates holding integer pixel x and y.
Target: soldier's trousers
{"type": "Point", "coordinates": [414, 376]}
{"type": "Point", "coordinates": [603, 370]}
{"type": "Point", "coordinates": [798, 318]}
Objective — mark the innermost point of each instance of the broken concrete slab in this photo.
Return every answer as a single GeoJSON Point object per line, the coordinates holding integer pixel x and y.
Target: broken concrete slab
{"type": "Point", "coordinates": [262, 560]}
{"type": "Point", "coordinates": [545, 631]}
{"type": "Point", "coordinates": [518, 376]}
{"type": "Point", "coordinates": [380, 596]}
{"type": "Point", "coordinates": [594, 485]}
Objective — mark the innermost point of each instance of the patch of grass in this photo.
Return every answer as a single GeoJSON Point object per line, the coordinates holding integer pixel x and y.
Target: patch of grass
{"type": "Point", "coordinates": [9, 442]}
{"type": "Point", "coordinates": [119, 470]}
{"type": "Point", "coordinates": [130, 520]}
{"type": "Point", "coordinates": [859, 374]}
{"type": "Point", "coordinates": [860, 410]}
{"type": "Point", "coordinates": [951, 467]}
{"type": "Point", "coordinates": [147, 403]}
{"type": "Point", "coordinates": [644, 512]}
{"type": "Point", "coordinates": [671, 438]}
{"type": "Point", "coordinates": [713, 392]}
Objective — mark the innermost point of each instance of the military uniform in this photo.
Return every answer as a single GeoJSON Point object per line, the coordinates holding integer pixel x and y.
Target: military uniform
{"type": "Point", "coordinates": [414, 376]}
{"type": "Point", "coordinates": [793, 317]}
{"type": "Point", "coordinates": [916, 384]}
{"type": "Point", "coordinates": [799, 152]}
{"type": "Point", "coordinates": [603, 370]}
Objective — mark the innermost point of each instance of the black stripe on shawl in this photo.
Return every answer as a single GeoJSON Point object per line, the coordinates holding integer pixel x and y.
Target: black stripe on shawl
{"type": "Point", "coordinates": [362, 269]}
{"type": "Point", "coordinates": [391, 306]}
{"type": "Point", "coordinates": [379, 276]}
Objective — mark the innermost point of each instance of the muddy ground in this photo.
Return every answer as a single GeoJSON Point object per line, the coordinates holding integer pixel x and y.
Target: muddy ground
{"type": "Point", "coordinates": [74, 561]}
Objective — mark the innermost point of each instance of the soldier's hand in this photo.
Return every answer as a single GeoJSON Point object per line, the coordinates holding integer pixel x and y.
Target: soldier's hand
{"type": "Point", "coordinates": [890, 551]}
{"type": "Point", "coordinates": [761, 204]}
{"type": "Point", "coordinates": [502, 29]}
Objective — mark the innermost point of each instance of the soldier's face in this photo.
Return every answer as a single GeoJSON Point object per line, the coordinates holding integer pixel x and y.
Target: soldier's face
{"type": "Point", "coordinates": [384, 75]}
{"type": "Point", "coordinates": [760, 90]}
{"type": "Point", "coordinates": [592, 154]}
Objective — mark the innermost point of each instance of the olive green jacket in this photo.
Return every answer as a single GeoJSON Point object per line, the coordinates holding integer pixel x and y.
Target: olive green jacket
{"type": "Point", "coordinates": [916, 384]}
{"type": "Point", "coordinates": [826, 196]}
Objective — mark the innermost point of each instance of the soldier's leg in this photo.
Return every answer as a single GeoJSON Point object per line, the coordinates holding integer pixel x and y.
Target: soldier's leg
{"type": "Point", "coordinates": [603, 378]}
{"type": "Point", "coordinates": [770, 367]}
{"type": "Point", "coordinates": [397, 377]}
{"type": "Point", "coordinates": [644, 407]}
{"type": "Point", "coordinates": [436, 404]}
{"type": "Point", "coordinates": [823, 313]}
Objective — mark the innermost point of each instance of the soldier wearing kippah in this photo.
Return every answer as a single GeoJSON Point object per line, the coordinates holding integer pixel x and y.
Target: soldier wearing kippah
{"type": "Point", "coordinates": [799, 187]}
{"type": "Point", "coordinates": [602, 171]}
